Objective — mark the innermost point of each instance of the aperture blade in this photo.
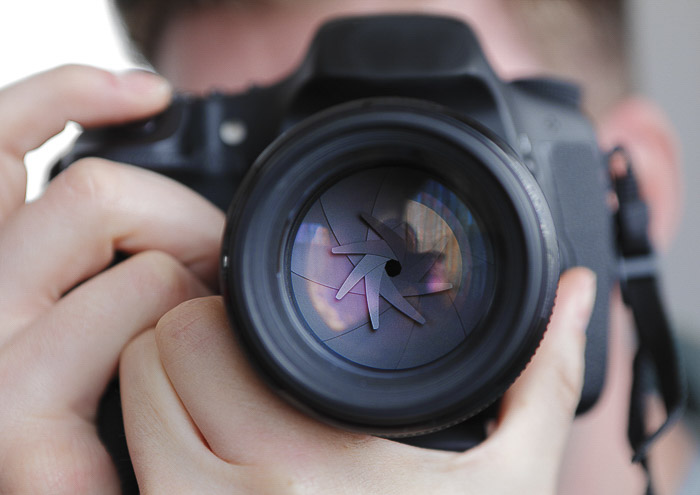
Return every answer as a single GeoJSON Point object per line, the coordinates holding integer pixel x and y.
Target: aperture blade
{"type": "Point", "coordinates": [368, 263]}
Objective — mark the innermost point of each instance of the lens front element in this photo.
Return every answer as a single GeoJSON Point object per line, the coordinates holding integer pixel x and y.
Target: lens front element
{"type": "Point", "coordinates": [391, 269]}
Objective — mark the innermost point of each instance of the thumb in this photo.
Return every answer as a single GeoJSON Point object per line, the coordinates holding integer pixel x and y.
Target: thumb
{"type": "Point", "coordinates": [537, 411]}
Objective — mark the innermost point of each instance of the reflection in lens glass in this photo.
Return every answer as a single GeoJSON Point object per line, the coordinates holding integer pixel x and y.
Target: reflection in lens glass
{"type": "Point", "coordinates": [390, 268]}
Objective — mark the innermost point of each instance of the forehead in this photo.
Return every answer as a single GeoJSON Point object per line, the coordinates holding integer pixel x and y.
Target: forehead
{"type": "Point", "coordinates": [229, 48]}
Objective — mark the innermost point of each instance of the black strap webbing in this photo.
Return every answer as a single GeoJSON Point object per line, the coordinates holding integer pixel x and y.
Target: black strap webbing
{"type": "Point", "coordinates": [656, 368]}
{"type": "Point", "coordinates": [656, 356]}
{"type": "Point", "coordinates": [656, 365]}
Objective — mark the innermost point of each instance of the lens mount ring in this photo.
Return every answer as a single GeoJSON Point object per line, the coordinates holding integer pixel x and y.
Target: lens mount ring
{"type": "Point", "coordinates": [403, 181]}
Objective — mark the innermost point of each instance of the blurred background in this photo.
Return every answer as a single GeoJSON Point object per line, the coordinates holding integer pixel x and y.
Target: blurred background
{"type": "Point", "coordinates": [38, 34]}
{"type": "Point", "coordinates": [666, 56]}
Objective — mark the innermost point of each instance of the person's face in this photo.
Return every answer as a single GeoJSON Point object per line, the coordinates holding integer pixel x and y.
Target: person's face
{"type": "Point", "coordinates": [229, 49]}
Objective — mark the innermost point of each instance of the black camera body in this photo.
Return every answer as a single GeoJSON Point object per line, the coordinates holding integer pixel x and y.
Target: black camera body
{"type": "Point", "coordinates": [399, 223]}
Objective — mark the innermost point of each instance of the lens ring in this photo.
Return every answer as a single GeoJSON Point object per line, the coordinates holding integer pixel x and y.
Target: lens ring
{"type": "Point", "coordinates": [264, 222]}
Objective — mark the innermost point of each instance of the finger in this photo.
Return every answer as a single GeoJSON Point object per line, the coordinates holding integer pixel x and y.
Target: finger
{"type": "Point", "coordinates": [13, 184]}
{"type": "Point", "coordinates": [275, 445]}
{"type": "Point", "coordinates": [71, 352]}
{"type": "Point", "coordinates": [87, 212]}
{"type": "Point", "coordinates": [230, 405]}
{"type": "Point", "coordinates": [37, 108]}
{"type": "Point", "coordinates": [166, 449]}
{"type": "Point", "coordinates": [537, 411]}
{"type": "Point", "coordinates": [57, 456]}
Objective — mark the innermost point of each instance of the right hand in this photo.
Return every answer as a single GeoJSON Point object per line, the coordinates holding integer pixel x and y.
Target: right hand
{"type": "Point", "coordinates": [66, 316]}
{"type": "Point", "coordinates": [198, 419]}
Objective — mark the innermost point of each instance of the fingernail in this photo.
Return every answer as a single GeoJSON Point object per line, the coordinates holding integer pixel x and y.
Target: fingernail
{"type": "Point", "coordinates": [586, 290]}
{"type": "Point", "coordinates": [144, 83]}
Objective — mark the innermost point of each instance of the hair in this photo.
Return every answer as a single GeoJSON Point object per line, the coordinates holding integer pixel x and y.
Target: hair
{"type": "Point", "coordinates": [582, 40]}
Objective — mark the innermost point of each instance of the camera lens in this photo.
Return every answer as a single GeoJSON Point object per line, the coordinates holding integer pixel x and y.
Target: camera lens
{"type": "Point", "coordinates": [389, 266]}
{"type": "Point", "coordinates": [390, 269]}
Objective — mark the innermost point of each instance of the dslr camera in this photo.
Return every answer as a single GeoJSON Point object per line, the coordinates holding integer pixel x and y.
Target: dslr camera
{"type": "Point", "coordinates": [398, 220]}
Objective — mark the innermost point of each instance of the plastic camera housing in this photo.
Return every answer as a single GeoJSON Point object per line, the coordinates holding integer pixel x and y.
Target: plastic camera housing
{"type": "Point", "coordinates": [399, 218]}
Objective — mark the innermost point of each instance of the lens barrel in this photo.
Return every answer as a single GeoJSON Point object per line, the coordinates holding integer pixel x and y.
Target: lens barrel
{"type": "Point", "coordinates": [389, 266]}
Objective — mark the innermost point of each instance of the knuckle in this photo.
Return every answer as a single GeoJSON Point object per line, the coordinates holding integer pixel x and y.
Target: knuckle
{"type": "Point", "coordinates": [13, 183]}
{"type": "Point", "coordinates": [567, 380]}
{"type": "Point", "coordinates": [54, 467]}
{"type": "Point", "coordinates": [136, 374]}
{"type": "Point", "coordinates": [134, 350]}
{"type": "Point", "coordinates": [159, 272]}
{"type": "Point", "coordinates": [89, 180]}
{"type": "Point", "coordinates": [10, 410]}
{"type": "Point", "coordinates": [281, 479]}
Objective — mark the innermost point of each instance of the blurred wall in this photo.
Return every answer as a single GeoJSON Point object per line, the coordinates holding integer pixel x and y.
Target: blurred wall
{"type": "Point", "coordinates": [666, 55]}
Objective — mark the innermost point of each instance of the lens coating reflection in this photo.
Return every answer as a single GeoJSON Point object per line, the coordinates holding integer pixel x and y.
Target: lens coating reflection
{"type": "Point", "coordinates": [390, 269]}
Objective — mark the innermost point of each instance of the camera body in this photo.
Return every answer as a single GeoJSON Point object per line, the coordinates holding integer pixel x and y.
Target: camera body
{"type": "Point", "coordinates": [501, 185]}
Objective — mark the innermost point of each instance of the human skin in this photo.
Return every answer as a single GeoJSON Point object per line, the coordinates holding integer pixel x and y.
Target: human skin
{"type": "Point", "coordinates": [229, 49]}
{"type": "Point", "coordinates": [57, 350]}
{"type": "Point", "coordinates": [60, 347]}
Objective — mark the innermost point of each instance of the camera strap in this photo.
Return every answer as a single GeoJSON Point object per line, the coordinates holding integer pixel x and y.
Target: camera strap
{"type": "Point", "coordinates": [657, 370]}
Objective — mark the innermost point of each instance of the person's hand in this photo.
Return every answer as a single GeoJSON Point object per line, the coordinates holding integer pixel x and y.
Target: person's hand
{"type": "Point", "coordinates": [198, 419]}
{"type": "Point", "coordinates": [64, 317]}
